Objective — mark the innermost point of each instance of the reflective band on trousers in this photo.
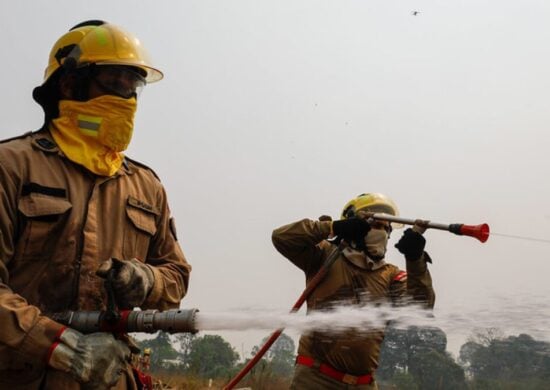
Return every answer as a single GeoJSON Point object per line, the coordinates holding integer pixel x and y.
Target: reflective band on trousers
{"type": "Point", "coordinates": [333, 373]}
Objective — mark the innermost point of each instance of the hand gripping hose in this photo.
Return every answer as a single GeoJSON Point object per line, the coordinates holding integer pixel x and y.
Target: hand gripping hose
{"type": "Point", "coordinates": [127, 321]}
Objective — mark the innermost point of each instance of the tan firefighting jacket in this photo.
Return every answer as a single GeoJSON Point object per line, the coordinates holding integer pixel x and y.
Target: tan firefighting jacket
{"type": "Point", "coordinates": [58, 222]}
{"type": "Point", "coordinates": [304, 244]}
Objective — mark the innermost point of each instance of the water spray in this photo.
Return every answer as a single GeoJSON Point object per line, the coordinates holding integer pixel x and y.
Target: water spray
{"type": "Point", "coordinates": [514, 236]}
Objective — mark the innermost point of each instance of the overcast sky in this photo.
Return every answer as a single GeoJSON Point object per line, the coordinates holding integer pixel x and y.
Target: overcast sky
{"type": "Point", "coordinates": [272, 111]}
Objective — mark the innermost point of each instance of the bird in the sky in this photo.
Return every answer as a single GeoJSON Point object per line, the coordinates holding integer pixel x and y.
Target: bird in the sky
{"type": "Point", "coordinates": [414, 13]}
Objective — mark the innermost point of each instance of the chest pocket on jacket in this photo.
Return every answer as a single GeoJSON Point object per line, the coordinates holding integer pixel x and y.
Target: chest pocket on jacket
{"type": "Point", "coordinates": [142, 227]}
{"type": "Point", "coordinates": [43, 218]}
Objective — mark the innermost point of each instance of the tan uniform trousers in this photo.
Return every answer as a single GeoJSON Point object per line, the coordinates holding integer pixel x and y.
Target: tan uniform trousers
{"type": "Point", "coordinates": [309, 378]}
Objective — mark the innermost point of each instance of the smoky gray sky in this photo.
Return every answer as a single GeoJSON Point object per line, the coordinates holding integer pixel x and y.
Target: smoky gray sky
{"type": "Point", "coordinates": [272, 111]}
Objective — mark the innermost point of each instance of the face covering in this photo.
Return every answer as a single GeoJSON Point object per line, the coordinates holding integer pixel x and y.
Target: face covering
{"type": "Point", "coordinates": [95, 132]}
{"type": "Point", "coordinates": [376, 243]}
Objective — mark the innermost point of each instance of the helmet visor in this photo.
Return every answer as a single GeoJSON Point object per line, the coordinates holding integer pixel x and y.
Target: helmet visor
{"type": "Point", "coordinates": [123, 81]}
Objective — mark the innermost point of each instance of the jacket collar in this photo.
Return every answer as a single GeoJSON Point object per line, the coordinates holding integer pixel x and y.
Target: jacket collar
{"type": "Point", "coordinates": [44, 141]}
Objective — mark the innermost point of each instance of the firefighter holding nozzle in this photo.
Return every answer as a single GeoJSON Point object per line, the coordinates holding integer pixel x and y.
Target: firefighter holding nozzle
{"type": "Point", "coordinates": [360, 276]}
{"type": "Point", "coordinates": [74, 210]}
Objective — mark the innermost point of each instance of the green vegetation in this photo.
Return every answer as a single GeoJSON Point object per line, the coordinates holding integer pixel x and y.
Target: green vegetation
{"type": "Point", "coordinates": [189, 362]}
{"type": "Point", "coordinates": [421, 354]}
{"type": "Point", "coordinates": [416, 358]}
{"type": "Point", "coordinates": [411, 359]}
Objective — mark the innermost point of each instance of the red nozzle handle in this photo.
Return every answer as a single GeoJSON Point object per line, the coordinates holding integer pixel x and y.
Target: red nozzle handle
{"type": "Point", "coordinates": [481, 232]}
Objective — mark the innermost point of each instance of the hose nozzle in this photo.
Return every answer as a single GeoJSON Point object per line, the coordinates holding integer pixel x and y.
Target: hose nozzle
{"type": "Point", "coordinates": [481, 232]}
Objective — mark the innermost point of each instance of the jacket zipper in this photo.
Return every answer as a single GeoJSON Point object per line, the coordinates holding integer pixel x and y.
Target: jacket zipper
{"type": "Point", "coordinates": [78, 260]}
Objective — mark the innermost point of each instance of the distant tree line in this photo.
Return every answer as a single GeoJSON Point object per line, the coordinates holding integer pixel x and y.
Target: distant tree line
{"type": "Point", "coordinates": [414, 358]}
{"type": "Point", "coordinates": [211, 357]}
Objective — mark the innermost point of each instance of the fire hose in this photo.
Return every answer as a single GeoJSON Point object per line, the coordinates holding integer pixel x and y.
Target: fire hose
{"type": "Point", "coordinates": [481, 232]}
{"type": "Point", "coordinates": [128, 321]}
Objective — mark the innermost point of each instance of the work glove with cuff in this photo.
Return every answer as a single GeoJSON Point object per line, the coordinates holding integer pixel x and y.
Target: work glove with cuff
{"type": "Point", "coordinates": [351, 230]}
{"type": "Point", "coordinates": [132, 281]}
{"type": "Point", "coordinates": [411, 244]}
{"type": "Point", "coordinates": [95, 360]}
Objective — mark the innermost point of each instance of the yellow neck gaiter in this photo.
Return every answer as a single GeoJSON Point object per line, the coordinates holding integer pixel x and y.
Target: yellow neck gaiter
{"type": "Point", "coordinates": [95, 132]}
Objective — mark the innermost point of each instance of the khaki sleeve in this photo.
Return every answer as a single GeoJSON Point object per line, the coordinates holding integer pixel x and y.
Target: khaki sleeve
{"type": "Point", "coordinates": [419, 281]}
{"type": "Point", "coordinates": [170, 267]}
{"type": "Point", "coordinates": [299, 241]}
{"type": "Point", "coordinates": [24, 328]}
{"type": "Point", "coordinates": [22, 325]}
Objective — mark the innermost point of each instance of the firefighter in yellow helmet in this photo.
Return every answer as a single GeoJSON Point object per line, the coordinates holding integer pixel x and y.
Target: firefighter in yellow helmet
{"type": "Point", "coordinates": [359, 277]}
{"type": "Point", "coordinates": [146, 360]}
{"type": "Point", "coordinates": [74, 209]}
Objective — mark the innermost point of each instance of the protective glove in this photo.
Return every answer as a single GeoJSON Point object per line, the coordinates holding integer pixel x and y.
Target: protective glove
{"type": "Point", "coordinates": [354, 229]}
{"type": "Point", "coordinates": [411, 245]}
{"type": "Point", "coordinates": [132, 281]}
{"type": "Point", "coordinates": [95, 360]}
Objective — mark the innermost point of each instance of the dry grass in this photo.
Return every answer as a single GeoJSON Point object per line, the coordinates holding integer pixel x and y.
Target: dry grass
{"type": "Point", "coordinates": [181, 382]}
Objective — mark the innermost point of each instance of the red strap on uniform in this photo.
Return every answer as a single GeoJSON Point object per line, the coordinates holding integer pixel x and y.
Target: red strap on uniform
{"type": "Point", "coordinates": [333, 373]}
{"type": "Point", "coordinates": [401, 276]}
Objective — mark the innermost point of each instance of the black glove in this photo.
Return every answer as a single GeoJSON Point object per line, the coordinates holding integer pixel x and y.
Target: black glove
{"type": "Point", "coordinates": [411, 245]}
{"type": "Point", "coordinates": [354, 229]}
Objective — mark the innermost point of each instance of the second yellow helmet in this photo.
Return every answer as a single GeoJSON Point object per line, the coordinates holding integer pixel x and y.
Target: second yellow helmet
{"type": "Point", "coordinates": [373, 202]}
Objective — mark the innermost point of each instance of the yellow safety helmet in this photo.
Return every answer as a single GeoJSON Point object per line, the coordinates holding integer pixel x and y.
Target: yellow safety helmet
{"type": "Point", "coordinates": [147, 351]}
{"type": "Point", "coordinates": [98, 42]}
{"type": "Point", "coordinates": [373, 202]}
